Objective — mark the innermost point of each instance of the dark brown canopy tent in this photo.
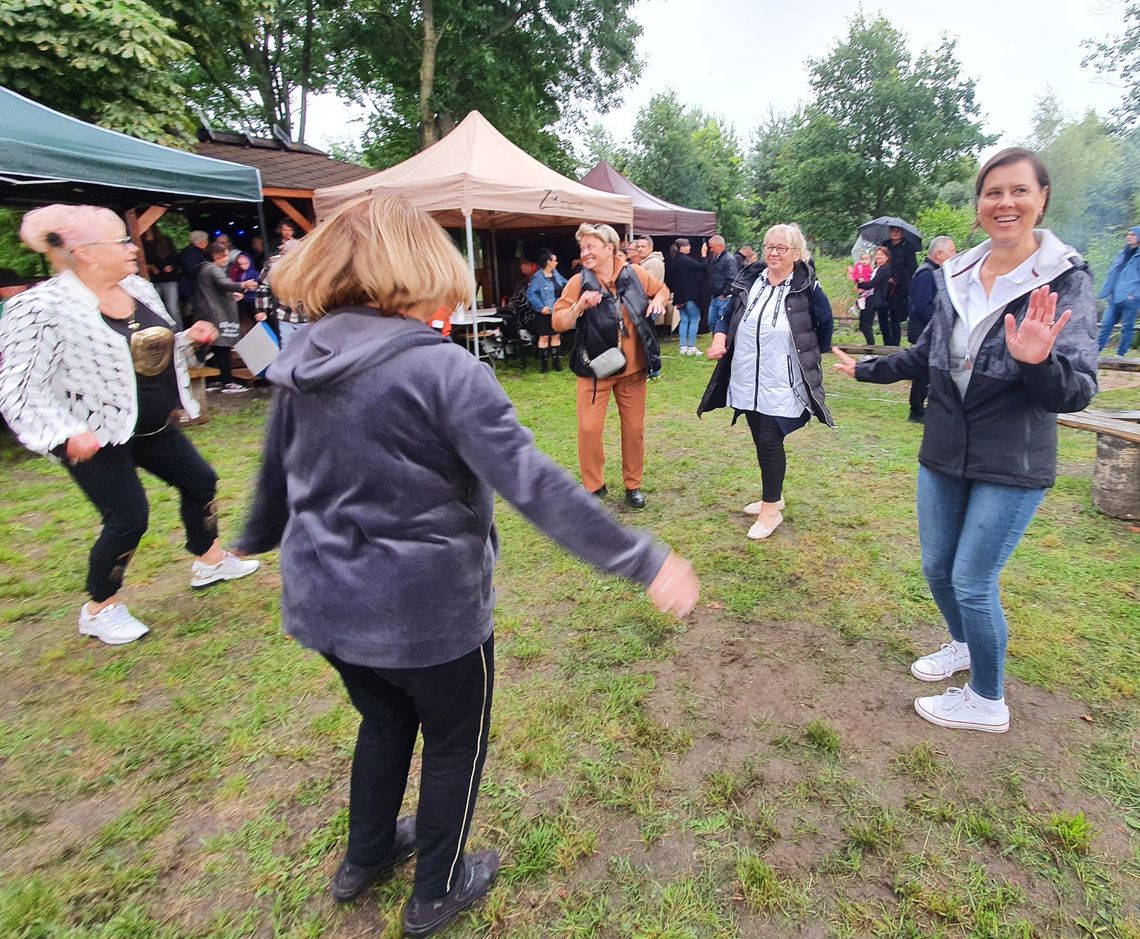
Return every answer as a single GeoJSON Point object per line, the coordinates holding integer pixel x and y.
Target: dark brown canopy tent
{"type": "Point", "coordinates": [651, 216]}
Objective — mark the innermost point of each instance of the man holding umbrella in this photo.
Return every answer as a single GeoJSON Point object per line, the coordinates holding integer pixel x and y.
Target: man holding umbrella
{"type": "Point", "coordinates": [901, 240]}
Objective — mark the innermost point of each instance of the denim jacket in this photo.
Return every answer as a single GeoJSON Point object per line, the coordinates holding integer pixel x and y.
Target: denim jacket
{"type": "Point", "coordinates": [543, 290]}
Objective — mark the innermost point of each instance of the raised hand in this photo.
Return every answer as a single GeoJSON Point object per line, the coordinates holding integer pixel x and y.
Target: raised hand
{"type": "Point", "coordinates": [202, 333]}
{"type": "Point", "coordinates": [1032, 341]}
{"type": "Point", "coordinates": [846, 364]}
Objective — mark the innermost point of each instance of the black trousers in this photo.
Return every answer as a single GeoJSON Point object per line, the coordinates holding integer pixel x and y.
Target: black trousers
{"type": "Point", "coordinates": [867, 323]}
{"type": "Point", "coordinates": [451, 705]}
{"type": "Point", "coordinates": [918, 389]}
{"type": "Point", "coordinates": [222, 358]}
{"type": "Point", "coordinates": [110, 480]}
{"type": "Point", "coordinates": [770, 453]}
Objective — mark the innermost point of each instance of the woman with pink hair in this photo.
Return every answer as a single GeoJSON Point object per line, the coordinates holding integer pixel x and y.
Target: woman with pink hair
{"type": "Point", "coordinates": [90, 370]}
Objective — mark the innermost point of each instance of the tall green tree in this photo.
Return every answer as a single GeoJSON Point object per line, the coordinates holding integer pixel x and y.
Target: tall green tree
{"type": "Point", "coordinates": [528, 65]}
{"type": "Point", "coordinates": [115, 63]}
{"type": "Point", "coordinates": [254, 63]}
{"type": "Point", "coordinates": [904, 125]}
{"type": "Point", "coordinates": [689, 157]}
{"type": "Point", "coordinates": [1119, 57]}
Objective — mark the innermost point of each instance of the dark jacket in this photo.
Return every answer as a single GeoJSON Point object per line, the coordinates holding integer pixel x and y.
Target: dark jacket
{"type": "Point", "coordinates": [903, 266]}
{"type": "Point", "coordinates": [597, 328]}
{"type": "Point", "coordinates": [1003, 429]}
{"type": "Point", "coordinates": [190, 259]}
{"type": "Point", "coordinates": [921, 300]}
{"type": "Point", "coordinates": [684, 274]}
{"type": "Point", "coordinates": [879, 285]}
{"type": "Point", "coordinates": [809, 313]}
{"type": "Point", "coordinates": [722, 272]}
{"type": "Point", "coordinates": [214, 302]}
{"type": "Point", "coordinates": [385, 447]}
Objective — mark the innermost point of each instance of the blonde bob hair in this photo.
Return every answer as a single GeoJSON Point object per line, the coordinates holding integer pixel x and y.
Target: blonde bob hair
{"type": "Point", "coordinates": [793, 236]}
{"type": "Point", "coordinates": [604, 233]}
{"type": "Point", "coordinates": [373, 252]}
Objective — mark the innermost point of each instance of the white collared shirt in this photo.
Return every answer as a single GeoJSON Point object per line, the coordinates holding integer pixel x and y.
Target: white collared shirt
{"type": "Point", "coordinates": [1006, 287]}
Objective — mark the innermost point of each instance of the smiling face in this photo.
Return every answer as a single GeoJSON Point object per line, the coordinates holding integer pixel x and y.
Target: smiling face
{"type": "Point", "coordinates": [108, 251]}
{"type": "Point", "coordinates": [1011, 203]}
{"type": "Point", "coordinates": [595, 253]}
{"type": "Point", "coordinates": [882, 256]}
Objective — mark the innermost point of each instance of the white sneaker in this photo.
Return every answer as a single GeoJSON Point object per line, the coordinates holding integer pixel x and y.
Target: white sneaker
{"type": "Point", "coordinates": [233, 388]}
{"type": "Point", "coordinates": [230, 567]}
{"type": "Point", "coordinates": [113, 624]}
{"type": "Point", "coordinates": [753, 508]}
{"type": "Point", "coordinates": [938, 666]}
{"type": "Point", "coordinates": [759, 531]}
{"type": "Point", "coordinates": [961, 707]}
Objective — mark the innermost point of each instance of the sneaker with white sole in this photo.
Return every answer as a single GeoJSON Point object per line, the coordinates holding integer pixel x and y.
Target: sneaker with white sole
{"type": "Point", "coordinates": [753, 508]}
{"type": "Point", "coordinates": [233, 388]}
{"type": "Point", "coordinates": [230, 567]}
{"type": "Point", "coordinates": [953, 657]}
{"type": "Point", "coordinates": [964, 709]}
{"type": "Point", "coordinates": [113, 624]}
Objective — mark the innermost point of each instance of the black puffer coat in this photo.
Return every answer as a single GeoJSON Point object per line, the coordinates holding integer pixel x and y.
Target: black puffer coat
{"type": "Point", "coordinates": [809, 313]}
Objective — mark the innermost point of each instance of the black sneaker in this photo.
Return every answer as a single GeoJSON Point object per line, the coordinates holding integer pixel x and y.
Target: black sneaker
{"type": "Point", "coordinates": [635, 498]}
{"type": "Point", "coordinates": [427, 917]}
{"type": "Point", "coordinates": [351, 880]}
{"type": "Point", "coordinates": [916, 417]}
{"type": "Point", "coordinates": [600, 493]}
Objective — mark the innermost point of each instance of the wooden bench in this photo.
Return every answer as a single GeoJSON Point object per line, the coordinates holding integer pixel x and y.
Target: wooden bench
{"type": "Point", "coordinates": [198, 378]}
{"type": "Point", "coordinates": [1116, 473]}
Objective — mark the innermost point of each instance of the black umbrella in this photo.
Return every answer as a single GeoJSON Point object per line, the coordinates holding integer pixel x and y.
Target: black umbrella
{"type": "Point", "coordinates": [878, 231]}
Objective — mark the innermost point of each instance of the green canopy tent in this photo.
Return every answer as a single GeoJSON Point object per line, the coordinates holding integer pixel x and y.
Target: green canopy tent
{"type": "Point", "coordinates": [47, 157]}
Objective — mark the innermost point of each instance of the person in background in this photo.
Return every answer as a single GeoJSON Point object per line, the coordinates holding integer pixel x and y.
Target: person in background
{"type": "Point", "coordinates": [91, 367]}
{"type": "Point", "coordinates": [216, 301]}
{"type": "Point", "coordinates": [239, 272]}
{"type": "Point", "coordinates": [286, 233]}
{"type": "Point", "coordinates": [544, 289]}
{"type": "Point", "coordinates": [162, 269]}
{"type": "Point", "coordinates": [745, 255]}
{"type": "Point", "coordinates": [231, 251]}
{"type": "Point", "coordinates": [651, 260]}
{"type": "Point", "coordinates": [685, 275]}
{"type": "Point", "coordinates": [903, 265]}
{"type": "Point", "coordinates": [257, 252]}
{"type": "Point", "coordinates": [721, 273]}
{"type": "Point", "coordinates": [1002, 364]}
{"type": "Point", "coordinates": [1122, 291]}
{"type": "Point", "coordinates": [922, 290]}
{"type": "Point", "coordinates": [190, 259]}
{"type": "Point", "coordinates": [373, 482]}
{"type": "Point", "coordinates": [861, 270]}
{"type": "Point", "coordinates": [769, 365]}
{"type": "Point", "coordinates": [610, 304]}
{"type": "Point", "coordinates": [877, 303]}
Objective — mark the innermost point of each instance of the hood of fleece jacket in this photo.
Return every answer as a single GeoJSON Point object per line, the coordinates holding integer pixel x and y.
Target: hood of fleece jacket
{"type": "Point", "coordinates": [343, 344]}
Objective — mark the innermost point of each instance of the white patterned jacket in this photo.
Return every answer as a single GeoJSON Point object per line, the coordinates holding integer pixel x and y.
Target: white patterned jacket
{"type": "Point", "coordinates": [63, 371]}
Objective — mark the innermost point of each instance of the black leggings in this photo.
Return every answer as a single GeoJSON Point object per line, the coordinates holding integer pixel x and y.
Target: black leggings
{"type": "Point", "coordinates": [223, 357]}
{"type": "Point", "coordinates": [110, 480]}
{"type": "Point", "coordinates": [867, 322]}
{"type": "Point", "coordinates": [769, 440]}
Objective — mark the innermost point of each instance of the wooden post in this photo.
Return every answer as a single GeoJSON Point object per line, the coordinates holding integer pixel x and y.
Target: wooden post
{"type": "Point", "coordinates": [1116, 477]}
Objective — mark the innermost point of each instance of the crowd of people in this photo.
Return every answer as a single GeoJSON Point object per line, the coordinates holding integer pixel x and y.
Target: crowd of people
{"type": "Point", "coordinates": [92, 363]}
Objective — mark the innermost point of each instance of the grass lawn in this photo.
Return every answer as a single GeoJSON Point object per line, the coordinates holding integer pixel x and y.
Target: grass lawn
{"type": "Point", "coordinates": [757, 770]}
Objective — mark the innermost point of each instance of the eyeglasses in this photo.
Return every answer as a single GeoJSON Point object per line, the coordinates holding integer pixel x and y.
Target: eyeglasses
{"type": "Point", "coordinates": [778, 250]}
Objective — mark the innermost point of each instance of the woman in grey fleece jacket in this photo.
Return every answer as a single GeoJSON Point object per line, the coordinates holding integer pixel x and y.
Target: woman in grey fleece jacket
{"type": "Point", "coordinates": [384, 450]}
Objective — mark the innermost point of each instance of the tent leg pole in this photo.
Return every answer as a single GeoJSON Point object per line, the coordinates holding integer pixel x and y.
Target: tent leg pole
{"type": "Point", "coordinates": [263, 229]}
{"type": "Point", "coordinates": [495, 264]}
{"type": "Point", "coordinates": [471, 269]}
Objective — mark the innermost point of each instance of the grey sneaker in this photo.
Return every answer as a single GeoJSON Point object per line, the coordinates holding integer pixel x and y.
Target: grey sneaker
{"type": "Point", "coordinates": [230, 567]}
{"type": "Point", "coordinates": [113, 624]}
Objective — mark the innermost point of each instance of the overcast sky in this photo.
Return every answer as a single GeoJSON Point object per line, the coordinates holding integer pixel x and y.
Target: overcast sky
{"type": "Point", "coordinates": [738, 59]}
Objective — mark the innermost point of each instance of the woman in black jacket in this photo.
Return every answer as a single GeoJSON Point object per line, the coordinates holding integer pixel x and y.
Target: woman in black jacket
{"type": "Point", "coordinates": [767, 349]}
{"type": "Point", "coordinates": [1001, 364]}
{"type": "Point", "coordinates": [878, 302]}
{"type": "Point", "coordinates": [684, 275]}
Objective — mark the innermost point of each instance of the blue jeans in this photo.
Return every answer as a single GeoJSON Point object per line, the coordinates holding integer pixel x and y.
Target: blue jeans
{"type": "Point", "coordinates": [690, 322]}
{"type": "Point", "coordinates": [1125, 312]}
{"type": "Point", "coordinates": [717, 309]}
{"type": "Point", "coordinates": [967, 530]}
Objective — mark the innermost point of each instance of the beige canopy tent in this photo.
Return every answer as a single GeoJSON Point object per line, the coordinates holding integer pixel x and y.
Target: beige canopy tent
{"type": "Point", "coordinates": [476, 177]}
